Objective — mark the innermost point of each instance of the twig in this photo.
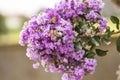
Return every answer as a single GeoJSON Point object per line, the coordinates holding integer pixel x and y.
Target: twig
{"type": "Point", "coordinates": [99, 34]}
{"type": "Point", "coordinates": [116, 32]}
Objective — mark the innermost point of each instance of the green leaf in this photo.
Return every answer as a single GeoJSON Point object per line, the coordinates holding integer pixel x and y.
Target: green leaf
{"type": "Point", "coordinates": [78, 46]}
{"type": "Point", "coordinates": [95, 40]}
{"type": "Point", "coordinates": [85, 27]}
{"type": "Point", "coordinates": [109, 33]}
{"type": "Point", "coordinates": [80, 24]}
{"type": "Point", "coordinates": [100, 52]}
{"type": "Point", "coordinates": [77, 29]}
{"type": "Point", "coordinates": [115, 20]}
{"type": "Point", "coordinates": [106, 41]}
{"type": "Point", "coordinates": [118, 44]}
{"type": "Point", "coordinates": [90, 54]}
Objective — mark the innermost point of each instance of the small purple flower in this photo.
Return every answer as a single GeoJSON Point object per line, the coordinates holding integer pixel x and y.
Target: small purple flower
{"type": "Point", "coordinates": [92, 16]}
{"type": "Point", "coordinates": [36, 65]}
{"type": "Point", "coordinates": [24, 36]}
{"type": "Point", "coordinates": [89, 65]}
{"type": "Point", "coordinates": [66, 76]}
{"type": "Point", "coordinates": [96, 5]}
{"type": "Point", "coordinates": [79, 72]}
{"type": "Point", "coordinates": [79, 55]}
{"type": "Point", "coordinates": [103, 25]}
{"type": "Point", "coordinates": [81, 9]}
{"type": "Point", "coordinates": [52, 68]}
{"type": "Point", "coordinates": [66, 9]}
{"type": "Point", "coordinates": [32, 53]}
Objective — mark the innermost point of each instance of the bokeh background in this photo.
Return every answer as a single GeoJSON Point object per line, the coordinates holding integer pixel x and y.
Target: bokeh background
{"type": "Point", "coordinates": [14, 65]}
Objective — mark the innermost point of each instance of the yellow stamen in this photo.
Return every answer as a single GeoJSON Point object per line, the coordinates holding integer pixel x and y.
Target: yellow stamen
{"type": "Point", "coordinates": [55, 33]}
{"type": "Point", "coordinates": [38, 30]}
{"type": "Point", "coordinates": [87, 4]}
{"type": "Point", "coordinates": [53, 19]}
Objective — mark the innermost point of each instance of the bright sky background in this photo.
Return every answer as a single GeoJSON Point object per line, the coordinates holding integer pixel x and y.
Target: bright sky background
{"type": "Point", "coordinates": [26, 7]}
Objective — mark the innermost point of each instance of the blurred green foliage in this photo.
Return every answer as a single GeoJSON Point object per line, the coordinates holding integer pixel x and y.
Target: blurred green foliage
{"type": "Point", "coordinates": [3, 28]}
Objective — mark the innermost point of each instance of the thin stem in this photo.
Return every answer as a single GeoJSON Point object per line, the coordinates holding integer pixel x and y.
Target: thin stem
{"type": "Point", "coordinates": [116, 32]}
{"type": "Point", "coordinates": [106, 33]}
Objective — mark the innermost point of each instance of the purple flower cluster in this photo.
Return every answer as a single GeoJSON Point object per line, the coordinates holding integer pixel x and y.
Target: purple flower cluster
{"type": "Point", "coordinates": [77, 73]}
{"type": "Point", "coordinates": [90, 9]}
{"type": "Point", "coordinates": [47, 34]}
{"type": "Point", "coordinates": [72, 8]}
{"type": "Point", "coordinates": [50, 37]}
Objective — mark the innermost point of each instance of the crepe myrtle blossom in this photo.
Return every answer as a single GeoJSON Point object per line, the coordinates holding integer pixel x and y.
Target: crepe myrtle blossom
{"type": "Point", "coordinates": [102, 24]}
{"type": "Point", "coordinates": [63, 39]}
{"type": "Point", "coordinates": [77, 7]}
{"type": "Point", "coordinates": [88, 9]}
{"type": "Point", "coordinates": [77, 73]}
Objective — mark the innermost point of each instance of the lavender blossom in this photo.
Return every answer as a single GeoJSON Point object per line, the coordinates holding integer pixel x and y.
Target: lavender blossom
{"type": "Point", "coordinates": [96, 5]}
{"type": "Point", "coordinates": [58, 37]}
{"type": "Point", "coordinates": [90, 65]}
{"type": "Point", "coordinates": [79, 55]}
{"type": "Point", "coordinates": [92, 16]}
{"type": "Point", "coordinates": [36, 65]}
{"type": "Point", "coordinates": [103, 25]}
